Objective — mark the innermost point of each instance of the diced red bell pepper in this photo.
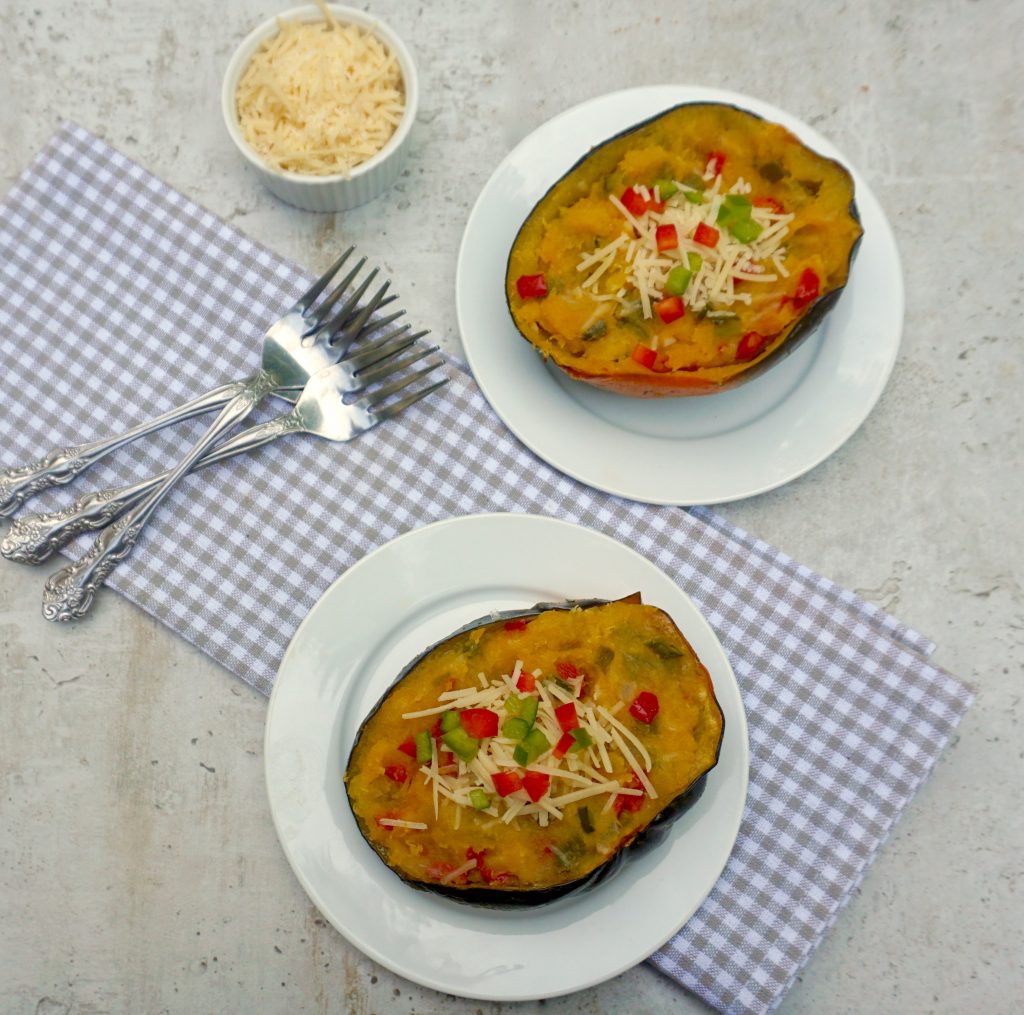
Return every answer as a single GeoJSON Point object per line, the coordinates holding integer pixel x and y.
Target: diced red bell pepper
{"type": "Point", "coordinates": [531, 287]}
{"type": "Point", "coordinates": [706, 235]}
{"type": "Point", "coordinates": [644, 355]}
{"type": "Point", "coordinates": [515, 625]}
{"type": "Point", "coordinates": [645, 707]}
{"type": "Point", "coordinates": [670, 309]}
{"type": "Point", "coordinates": [563, 746]}
{"type": "Point", "coordinates": [633, 201]}
{"type": "Point", "coordinates": [770, 203]}
{"type": "Point", "coordinates": [636, 204]}
{"type": "Point", "coordinates": [567, 717]}
{"type": "Point", "coordinates": [396, 773]}
{"type": "Point", "coordinates": [808, 287]}
{"type": "Point", "coordinates": [481, 867]}
{"type": "Point", "coordinates": [566, 670]}
{"type": "Point", "coordinates": [506, 782]}
{"type": "Point", "coordinates": [666, 237]}
{"type": "Point", "coordinates": [716, 160]}
{"type": "Point", "coordinates": [435, 731]}
{"type": "Point", "coordinates": [627, 803]}
{"type": "Point", "coordinates": [536, 784]}
{"type": "Point", "coordinates": [408, 747]}
{"type": "Point", "coordinates": [479, 722]}
{"type": "Point", "coordinates": [751, 345]}
{"type": "Point", "coordinates": [527, 682]}
{"type": "Point", "coordinates": [489, 875]}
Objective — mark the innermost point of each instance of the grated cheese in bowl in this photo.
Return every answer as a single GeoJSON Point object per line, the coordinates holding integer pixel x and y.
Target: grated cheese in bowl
{"type": "Point", "coordinates": [320, 97]}
{"type": "Point", "coordinates": [321, 100]}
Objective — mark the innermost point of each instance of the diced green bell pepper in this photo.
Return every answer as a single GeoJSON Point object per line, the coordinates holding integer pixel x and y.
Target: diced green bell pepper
{"type": "Point", "coordinates": [515, 728]}
{"type": "Point", "coordinates": [479, 799]}
{"type": "Point", "coordinates": [738, 204]}
{"type": "Point", "coordinates": [423, 752]}
{"type": "Point", "coordinates": [677, 281]}
{"type": "Point", "coordinates": [666, 188]}
{"type": "Point", "coordinates": [460, 743]}
{"type": "Point", "coordinates": [746, 230]}
{"type": "Point", "coordinates": [582, 737]}
{"type": "Point", "coordinates": [531, 748]}
{"type": "Point", "coordinates": [735, 215]}
{"type": "Point", "coordinates": [528, 709]}
{"type": "Point", "coordinates": [449, 720]}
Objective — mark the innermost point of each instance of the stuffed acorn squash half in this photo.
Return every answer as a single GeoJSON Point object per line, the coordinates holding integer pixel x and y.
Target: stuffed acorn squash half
{"type": "Point", "coordinates": [529, 754]}
{"type": "Point", "coordinates": [685, 255]}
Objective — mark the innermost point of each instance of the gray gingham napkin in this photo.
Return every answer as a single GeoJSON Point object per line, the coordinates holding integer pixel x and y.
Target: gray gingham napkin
{"type": "Point", "coordinates": [120, 298]}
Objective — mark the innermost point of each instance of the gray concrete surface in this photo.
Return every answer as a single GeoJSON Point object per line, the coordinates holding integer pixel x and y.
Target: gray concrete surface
{"type": "Point", "coordinates": [139, 871]}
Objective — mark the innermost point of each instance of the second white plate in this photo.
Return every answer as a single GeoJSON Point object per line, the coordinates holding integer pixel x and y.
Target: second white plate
{"type": "Point", "coordinates": [682, 450]}
{"type": "Point", "coordinates": [367, 626]}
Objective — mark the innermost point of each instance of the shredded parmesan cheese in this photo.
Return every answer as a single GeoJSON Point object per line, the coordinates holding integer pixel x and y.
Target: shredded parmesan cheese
{"type": "Point", "coordinates": [435, 777]}
{"type": "Point", "coordinates": [712, 286]}
{"type": "Point", "coordinates": [635, 740]}
{"type": "Point", "coordinates": [458, 872]}
{"type": "Point", "coordinates": [320, 98]}
{"type": "Point", "coordinates": [613, 748]}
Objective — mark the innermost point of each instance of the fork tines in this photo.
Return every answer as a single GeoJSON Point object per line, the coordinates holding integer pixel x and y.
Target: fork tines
{"type": "Point", "coordinates": [339, 318]}
{"type": "Point", "coordinates": [376, 402]}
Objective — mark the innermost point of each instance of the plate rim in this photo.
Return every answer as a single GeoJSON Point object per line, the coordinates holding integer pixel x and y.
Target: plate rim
{"type": "Point", "coordinates": [735, 491]}
{"type": "Point", "coordinates": [739, 723]}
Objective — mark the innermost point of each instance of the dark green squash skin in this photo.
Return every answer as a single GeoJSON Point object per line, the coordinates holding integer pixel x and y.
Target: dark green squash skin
{"type": "Point", "coordinates": [652, 835]}
{"type": "Point", "coordinates": [803, 329]}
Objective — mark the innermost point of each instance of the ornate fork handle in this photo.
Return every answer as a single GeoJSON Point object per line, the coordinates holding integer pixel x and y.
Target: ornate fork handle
{"type": "Point", "coordinates": [64, 464]}
{"type": "Point", "coordinates": [33, 538]}
{"type": "Point", "coordinates": [54, 469]}
{"type": "Point", "coordinates": [69, 593]}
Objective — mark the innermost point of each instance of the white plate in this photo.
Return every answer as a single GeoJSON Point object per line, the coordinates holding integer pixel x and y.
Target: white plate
{"type": "Point", "coordinates": [368, 625]}
{"type": "Point", "coordinates": [680, 450]}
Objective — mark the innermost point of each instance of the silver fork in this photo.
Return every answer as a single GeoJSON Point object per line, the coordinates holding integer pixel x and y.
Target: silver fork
{"type": "Point", "coordinates": [320, 410]}
{"type": "Point", "coordinates": [294, 348]}
{"type": "Point", "coordinates": [33, 538]}
{"type": "Point", "coordinates": [305, 340]}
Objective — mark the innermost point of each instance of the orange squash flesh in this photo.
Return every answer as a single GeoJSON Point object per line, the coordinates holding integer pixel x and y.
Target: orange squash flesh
{"type": "Point", "coordinates": [696, 353]}
{"type": "Point", "coordinates": [622, 648]}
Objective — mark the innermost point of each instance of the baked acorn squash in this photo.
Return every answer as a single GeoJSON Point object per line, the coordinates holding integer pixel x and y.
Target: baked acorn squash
{"type": "Point", "coordinates": [530, 753]}
{"type": "Point", "coordinates": [685, 255]}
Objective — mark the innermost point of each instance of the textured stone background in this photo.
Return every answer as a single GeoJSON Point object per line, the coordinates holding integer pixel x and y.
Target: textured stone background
{"type": "Point", "coordinates": [139, 871]}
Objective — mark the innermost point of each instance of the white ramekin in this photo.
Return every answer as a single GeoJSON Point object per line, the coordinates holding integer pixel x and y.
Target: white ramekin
{"type": "Point", "coordinates": [326, 193]}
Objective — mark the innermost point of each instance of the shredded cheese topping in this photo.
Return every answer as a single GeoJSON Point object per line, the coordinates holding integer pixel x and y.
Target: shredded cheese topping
{"type": "Point", "coordinates": [320, 98]}
{"type": "Point", "coordinates": [458, 872]}
{"type": "Point", "coordinates": [576, 776]}
{"type": "Point", "coordinates": [417, 826]}
{"type": "Point", "coordinates": [713, 286]}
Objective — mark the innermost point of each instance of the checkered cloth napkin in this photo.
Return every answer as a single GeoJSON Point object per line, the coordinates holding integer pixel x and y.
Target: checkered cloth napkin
{"type": "Point", "coordinates": [120, 298]}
